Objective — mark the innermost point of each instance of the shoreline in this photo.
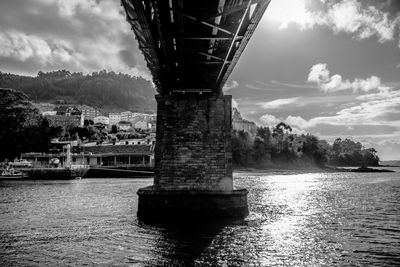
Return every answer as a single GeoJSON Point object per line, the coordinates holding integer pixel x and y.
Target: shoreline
{"type": "Point", "coordinates": [327, 169]}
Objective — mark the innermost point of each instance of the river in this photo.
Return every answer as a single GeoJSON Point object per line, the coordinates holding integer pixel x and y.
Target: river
{"type": "Point", "coordinates": [307, 219]}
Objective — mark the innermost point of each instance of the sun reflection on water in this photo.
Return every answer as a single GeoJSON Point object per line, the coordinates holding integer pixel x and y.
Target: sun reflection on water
{"type": "Point", "coordinates": [312, 219]}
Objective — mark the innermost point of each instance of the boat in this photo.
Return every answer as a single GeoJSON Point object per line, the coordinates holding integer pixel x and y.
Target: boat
{"type": "Point", "coordinates": [11, 173]}
{"type": "Point", "coordinates": [20, 163]}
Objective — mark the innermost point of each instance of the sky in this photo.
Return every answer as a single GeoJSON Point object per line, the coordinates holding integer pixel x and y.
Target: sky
{"type": "Point", "coordinates": [327, 67]}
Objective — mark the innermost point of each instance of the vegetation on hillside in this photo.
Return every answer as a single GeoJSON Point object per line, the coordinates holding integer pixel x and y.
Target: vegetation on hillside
{"type": "Point", "coordinates": [22, 129]}
{"type": "Point", "coordinates": [282, 147]}
{"type": "Point", "coordinates": [25, 130]}
{"type": "Point", "coordinates": [105, 90]}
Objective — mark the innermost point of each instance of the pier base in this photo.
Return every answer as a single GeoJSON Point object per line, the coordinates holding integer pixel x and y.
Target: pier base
{"type": "Point", "coordinates": [191, 205]}
{"type": "Point", "coordinates": [193, 160]}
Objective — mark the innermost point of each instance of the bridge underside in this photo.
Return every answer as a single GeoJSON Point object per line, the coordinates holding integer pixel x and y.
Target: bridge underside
{"type": "Point", "coordinates": [191, 48]}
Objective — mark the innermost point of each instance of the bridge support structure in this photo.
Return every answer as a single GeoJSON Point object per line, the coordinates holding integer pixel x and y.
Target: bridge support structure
{"type": "Point", "coordinates": [193, 160]}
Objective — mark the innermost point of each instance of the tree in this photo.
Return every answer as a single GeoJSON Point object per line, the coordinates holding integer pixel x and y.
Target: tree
{"type": "Point", "coordinates": [23, 128]}
{"type": "Point", "coordinates": [88, 122]}
{"type": "Point", "coordinates": [114, 129]}
{"type": "Point", "coordinates": [262, 145]}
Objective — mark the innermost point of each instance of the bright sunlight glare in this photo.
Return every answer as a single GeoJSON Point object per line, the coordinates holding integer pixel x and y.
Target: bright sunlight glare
{"type": "Point", "coordinates": [289, 11]}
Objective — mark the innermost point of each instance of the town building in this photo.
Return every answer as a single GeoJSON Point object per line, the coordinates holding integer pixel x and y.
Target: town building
{"type": "Point", "coordinates": [121, 154]}
{"type": "Point", "coordinates": [124, 125]}
{"type": "Point", "coordinates": [126, 116]}
{"type": "Point", "coordinates": [101, 119]}
{"type": "Point", "coordinates": [67, 122]}
{"type": "Point", "coordinates": [67, 111]}
{"type": "Point", "coordinates": [134, 154]}
{"type": "Point", "coordinates": [114, 118]}
{"type": "Point", "coordinates": [49, 113]}
{"type": "Point", "coordinates": [142, 125]}
{"type": "Point", "coordinates": [89, 113]}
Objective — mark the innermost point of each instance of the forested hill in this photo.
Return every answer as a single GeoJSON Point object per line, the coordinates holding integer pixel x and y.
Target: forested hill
{"type": "Point", "coordinates": [105, 90]}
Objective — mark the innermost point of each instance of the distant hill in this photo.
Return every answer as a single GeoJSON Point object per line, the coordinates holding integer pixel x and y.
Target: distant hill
{"type": "Point", "coordinates": [105, 90]}
{"type": "Point", "coordinates": [390, 163]}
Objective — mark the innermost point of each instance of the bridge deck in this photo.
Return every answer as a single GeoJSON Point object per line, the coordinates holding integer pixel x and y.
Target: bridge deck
{"type": "Point", "coordinates": [193, 46]}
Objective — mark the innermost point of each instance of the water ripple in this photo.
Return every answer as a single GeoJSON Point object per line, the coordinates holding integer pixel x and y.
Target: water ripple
{"type": "Point", "coordinates": [308, 219]}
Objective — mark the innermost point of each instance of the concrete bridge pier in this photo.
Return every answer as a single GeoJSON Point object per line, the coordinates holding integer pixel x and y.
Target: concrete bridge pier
{"type": "Point", "coordinates": [193, 160]}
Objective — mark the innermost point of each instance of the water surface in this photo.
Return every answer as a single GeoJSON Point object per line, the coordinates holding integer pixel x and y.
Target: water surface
{"type": "Point", "coordinates": [308, 219]}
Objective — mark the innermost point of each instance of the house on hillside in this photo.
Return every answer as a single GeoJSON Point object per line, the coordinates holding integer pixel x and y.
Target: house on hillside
{"type": "Point", "coordinates": [114, 118]}
{"type": "Point", "coordinates": [124, 125]}
{"type": "Point", "coordinates": [142, 125]}
{"type": "Point", "coordinates": [89, 113]}
{"type": "Point", "coordinates": [101, 119]}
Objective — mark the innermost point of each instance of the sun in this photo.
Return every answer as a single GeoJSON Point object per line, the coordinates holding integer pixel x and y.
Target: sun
{"type": "Point", "coordinates": [289, 11]}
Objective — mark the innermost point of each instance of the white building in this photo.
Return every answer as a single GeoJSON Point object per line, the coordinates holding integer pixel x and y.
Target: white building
{"type": "Point", "coordinates": [124, 125]}
{"type": "Point", "coordinates": [49, 113]}
{"type": "Point", "coordinates": [126, 116]}
{"type": "Point", "coordinates": [88, 112]}
{"type": "Point", "coordinates": [141, 125]}
{"type": "Point", "coordinates": [114, 118]}
{"type": "Point", "coordinates": [102, 119]}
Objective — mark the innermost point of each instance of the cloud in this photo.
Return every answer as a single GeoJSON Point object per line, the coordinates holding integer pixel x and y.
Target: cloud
{"type": "Point", "coordinates": [387, 93]}
{"type": "Point", "coordinates": [235, 104]}
{"type": "Point", "coordinates": [298, 122]}
{"type": "Point", "coordinates": [278, 103]}
{"type": "Point", "coordinates": [77, 35]}
{"type": "Point", "coordinates": [269, 120]}
{"type": "Point", "coordinates": [22, 47]}
{"type": "Point", "coordinates": [348, 16]}
{"type": "Point", "coordinates": [291, 85]}
{"type": "Point", "coordinates": [229, 86]}
{"type": "Point", "coordinates": [377, 112]}
{"type": "Point", "coordinates": [380, 109]}
{"type": "Point", "coordinates": [320, 74]}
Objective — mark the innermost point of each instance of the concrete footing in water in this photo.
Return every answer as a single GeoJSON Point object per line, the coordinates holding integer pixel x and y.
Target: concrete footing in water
{"type": "Point", "coordinates": [190, 204]}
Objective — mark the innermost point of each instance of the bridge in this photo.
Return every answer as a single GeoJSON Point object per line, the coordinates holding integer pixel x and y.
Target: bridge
{"type": "Point", "coordinates": [191, 48]}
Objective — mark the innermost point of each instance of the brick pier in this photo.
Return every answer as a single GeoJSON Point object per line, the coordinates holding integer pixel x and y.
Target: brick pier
{"type": "Point", "coordinates": [193, 160]}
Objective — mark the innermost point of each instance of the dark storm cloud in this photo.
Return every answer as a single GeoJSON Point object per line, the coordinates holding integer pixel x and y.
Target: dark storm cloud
{"type": "Point", "coordinates": [76, 35]}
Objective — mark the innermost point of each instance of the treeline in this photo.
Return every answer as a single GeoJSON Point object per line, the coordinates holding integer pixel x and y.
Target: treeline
{"type": "Point", "coordinates": [22, 129]}
{"type": "Point", "coordinates": [110, 90]}
{"type": "Point", "coordinates": [281, 147]}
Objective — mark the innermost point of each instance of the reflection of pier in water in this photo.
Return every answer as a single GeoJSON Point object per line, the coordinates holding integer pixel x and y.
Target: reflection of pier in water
{"type": "Point", "coordinates": [191, 47]}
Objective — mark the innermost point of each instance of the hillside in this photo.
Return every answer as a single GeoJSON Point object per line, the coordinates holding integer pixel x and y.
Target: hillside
{"type": "Point", "coordinates": [390, 163]}
{"type": "Point", "coordinates": [105, 90]}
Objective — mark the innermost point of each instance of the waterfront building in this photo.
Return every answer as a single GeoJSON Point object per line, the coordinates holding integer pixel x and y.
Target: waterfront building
{"type": "Point", "coordinates": [125, 153]}
{"type": "Point", "coordinates": [101, 119]}
{"type": "Point", "coordinates": [120, 155]}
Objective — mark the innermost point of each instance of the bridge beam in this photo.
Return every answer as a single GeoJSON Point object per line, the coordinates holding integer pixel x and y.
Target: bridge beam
{"type": "Point", "coordinates": [193, 160]}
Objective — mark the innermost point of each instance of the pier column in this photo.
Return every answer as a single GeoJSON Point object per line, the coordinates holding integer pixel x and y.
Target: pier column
{"type": "Point", "coordinates": [193, 159]}
{"type": "Point", "coordinates": [193, 147]}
